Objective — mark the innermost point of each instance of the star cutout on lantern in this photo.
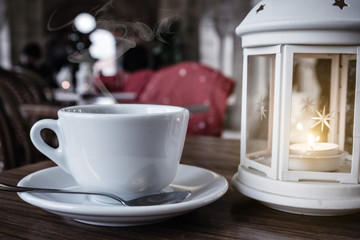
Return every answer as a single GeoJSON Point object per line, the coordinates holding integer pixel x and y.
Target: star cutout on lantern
{"type": "Point", "coordinates": [340, 3]}
{"type": "Point", "coordinates": [323, 119]}
{"type": "Point", "coordinates": [308, 105]}
{"type": "Point", "coordinates": [260, 8]}
{"type": "Point", "coordinates": [262, 109]}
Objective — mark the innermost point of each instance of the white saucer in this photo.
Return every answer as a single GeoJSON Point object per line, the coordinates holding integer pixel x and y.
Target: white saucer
{"type": "Point", "coordinates": [205, 186]}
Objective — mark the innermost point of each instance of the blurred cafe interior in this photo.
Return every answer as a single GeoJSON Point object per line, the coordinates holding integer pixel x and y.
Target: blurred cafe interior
{"type": "Point", "coordinates": [61, 52]}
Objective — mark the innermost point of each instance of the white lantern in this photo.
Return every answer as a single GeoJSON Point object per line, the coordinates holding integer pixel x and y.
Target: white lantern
{"type": "Point", "coordinates": [300, 130]}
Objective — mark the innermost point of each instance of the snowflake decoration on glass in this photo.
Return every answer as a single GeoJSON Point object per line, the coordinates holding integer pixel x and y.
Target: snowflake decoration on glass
{"type": "Point", "coordinates": [308, 105]}
{"type": "Point", "coordinates": [322, 119]}
{"type": "Point", "coordinates": [340, 3]}
{"type": "Point", "coordinates": [262, 109]}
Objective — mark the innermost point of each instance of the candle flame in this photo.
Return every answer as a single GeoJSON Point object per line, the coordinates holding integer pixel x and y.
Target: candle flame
{"type": "Point", "coordinates": [311, 139]}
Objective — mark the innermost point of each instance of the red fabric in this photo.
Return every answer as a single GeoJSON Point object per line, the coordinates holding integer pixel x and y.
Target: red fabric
{"type": "Point", "coordinates": [112, 83]}
{"type": "Point", "coordinates": [137, 81]}
{"type": "Point", "coordinates": [190, 83]}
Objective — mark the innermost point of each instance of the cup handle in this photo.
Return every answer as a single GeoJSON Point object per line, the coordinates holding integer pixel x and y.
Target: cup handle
{"type": "Point", "coordinates": [55, 154]}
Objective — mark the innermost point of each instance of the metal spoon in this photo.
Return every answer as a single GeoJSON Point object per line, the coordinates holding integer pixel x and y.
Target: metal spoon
{"type": "Point", "coordinates": [155, 199]}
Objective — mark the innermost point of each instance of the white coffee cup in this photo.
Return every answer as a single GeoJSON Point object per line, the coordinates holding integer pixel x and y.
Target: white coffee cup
{"type": "Point", "coordinates": [125, 149]}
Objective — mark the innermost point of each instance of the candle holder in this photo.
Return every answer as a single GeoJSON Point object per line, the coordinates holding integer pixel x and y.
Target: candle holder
{"type": "Point", "coordinates": [300, 130]}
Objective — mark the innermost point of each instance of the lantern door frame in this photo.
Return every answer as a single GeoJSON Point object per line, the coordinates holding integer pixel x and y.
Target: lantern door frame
{"type": "Point", "coordinates": [272, 170]}
{"type": "Point", "coordinates": [286, 97]}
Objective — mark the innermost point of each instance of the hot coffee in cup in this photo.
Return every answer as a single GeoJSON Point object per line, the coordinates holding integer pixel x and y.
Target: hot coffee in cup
{"type": "Point", "coordinates": [124, 149]}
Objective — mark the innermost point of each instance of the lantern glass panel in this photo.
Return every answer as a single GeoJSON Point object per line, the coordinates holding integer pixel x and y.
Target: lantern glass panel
{"type": "Point", "coordinates": [311, 90]}
{"type": "Point", "coordinates": [322, 111]}
{"type": "Point", "coordinates": [259, 108]}
{"type": "Point", "coordinates": [350, 68]}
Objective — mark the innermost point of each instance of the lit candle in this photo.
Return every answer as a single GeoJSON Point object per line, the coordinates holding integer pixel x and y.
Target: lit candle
{"type": "Point", "coordinates": [312, 148]}
{"type": "Point", "coordinates": [314, 156]}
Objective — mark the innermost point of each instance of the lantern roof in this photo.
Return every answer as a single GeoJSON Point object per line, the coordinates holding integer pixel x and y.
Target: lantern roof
{"type": "Point", "coordinates": [323, 22]}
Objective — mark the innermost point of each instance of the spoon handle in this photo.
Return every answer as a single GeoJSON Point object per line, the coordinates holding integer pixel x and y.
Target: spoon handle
{"type": "Point", "coordinates": [11, 188]}
{"type": "Point", "coordinates": [155, 199]}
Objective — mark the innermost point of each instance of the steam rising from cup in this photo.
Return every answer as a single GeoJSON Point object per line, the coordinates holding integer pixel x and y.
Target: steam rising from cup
{"type": "Point", "coordinates": [103, 48]}
{"type": "Point", "coordinates": [111, 37]}
{"type": "Point", "coordinates": [103, 44]}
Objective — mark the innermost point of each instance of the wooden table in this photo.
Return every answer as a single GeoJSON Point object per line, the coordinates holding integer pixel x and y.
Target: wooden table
{"type": "Point", "coordinates": [233, 216]}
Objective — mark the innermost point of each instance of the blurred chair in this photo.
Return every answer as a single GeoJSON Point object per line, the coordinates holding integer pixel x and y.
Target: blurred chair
{"type": "Point", "coordinates": [40, 90]}
{"type": "Point", "coordinates": [7, 158]}
{"type": "Point", "coordinates": [192, 85]}
{"type": "Point", "coordinates": [11, 83]}
{"type": "Point", "coordinates": [16, 148]}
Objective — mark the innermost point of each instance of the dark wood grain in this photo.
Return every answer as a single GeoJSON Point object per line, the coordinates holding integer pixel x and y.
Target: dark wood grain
{"type": "Point", "coordinates": [233, 216]}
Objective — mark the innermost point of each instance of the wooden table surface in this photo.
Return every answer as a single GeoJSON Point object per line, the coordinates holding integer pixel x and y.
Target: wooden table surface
{"type": "Point", "coordinates": [233, 216]}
